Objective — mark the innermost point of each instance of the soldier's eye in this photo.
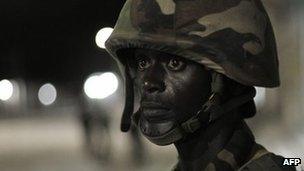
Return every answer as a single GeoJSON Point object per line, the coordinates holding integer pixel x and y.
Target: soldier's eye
{"type": "Point", "coordinates": [143, 63]}
{"type": "Point", "coordinates": [175, 65]}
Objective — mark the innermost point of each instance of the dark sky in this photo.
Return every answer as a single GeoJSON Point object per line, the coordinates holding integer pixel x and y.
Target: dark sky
{"type": "Point", "coordinates": [53, 40]}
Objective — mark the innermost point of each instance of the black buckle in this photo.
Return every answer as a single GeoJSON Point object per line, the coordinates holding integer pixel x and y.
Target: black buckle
{"type": "Point", "coordinates": [191, 125]}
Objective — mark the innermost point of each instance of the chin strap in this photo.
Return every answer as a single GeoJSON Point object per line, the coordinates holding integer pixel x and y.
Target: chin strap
{"type": "Point", "coordinates": [129, 103]}
{"type": "Point", "coordinates": [204, 115]}
{"type": "Point", "coordinates": [211, 111]}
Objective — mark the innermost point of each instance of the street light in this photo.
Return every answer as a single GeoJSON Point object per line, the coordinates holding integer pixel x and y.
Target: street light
{"type": "Point", "coordinates": [101, 85]}
{"type": "Point", "coordinates": [102, 36]}
{"type": "Point", "coordinates": [6, 90]}
{"type": "Point", "coordinates": [47, 94]}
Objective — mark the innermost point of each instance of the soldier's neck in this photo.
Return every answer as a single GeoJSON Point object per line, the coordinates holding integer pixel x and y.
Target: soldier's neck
{"type": "Point", "coordinates": [196, 144]}
{"type": "Point", "coordinates": [204, 146]}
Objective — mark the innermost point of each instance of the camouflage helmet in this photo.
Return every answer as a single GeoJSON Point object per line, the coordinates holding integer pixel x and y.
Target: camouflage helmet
{"type": "Point", "coordinates": [232, 37]}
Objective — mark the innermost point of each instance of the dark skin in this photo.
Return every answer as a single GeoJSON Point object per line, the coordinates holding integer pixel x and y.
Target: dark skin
{"type": "Point", "coordinates": [173, 88]}
{"type": "Point", "coordinates": [170, 87]}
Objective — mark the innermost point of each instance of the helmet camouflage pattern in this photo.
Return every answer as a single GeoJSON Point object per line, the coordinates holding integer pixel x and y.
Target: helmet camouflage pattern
{"type": "Point", "coordinates": [232, 37]}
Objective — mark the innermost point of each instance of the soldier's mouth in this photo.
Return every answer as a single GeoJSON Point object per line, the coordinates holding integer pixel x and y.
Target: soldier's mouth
{"type": "Point", "coordinates": [155, 112]}
{"type": "Point", "coordinates": [153, 105]}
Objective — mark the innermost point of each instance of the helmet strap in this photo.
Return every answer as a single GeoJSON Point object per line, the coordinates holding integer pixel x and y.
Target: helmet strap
{"type": "Point", "coordinates": [129, 102]}
{"type": "Point", "coordinates": [211, 111]}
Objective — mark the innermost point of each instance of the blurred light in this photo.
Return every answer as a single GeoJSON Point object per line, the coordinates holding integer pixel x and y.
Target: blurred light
{"type": "Point", "coordinates": [100, 86]}
{"type": "Point", "coordinates": [260, 95]}
{"type": "Point", "coordinates": [102, 36]}
{"type": "Point", "coordinates": [47, 94]}
{"type": "Point", "coordinates": [6, 90]}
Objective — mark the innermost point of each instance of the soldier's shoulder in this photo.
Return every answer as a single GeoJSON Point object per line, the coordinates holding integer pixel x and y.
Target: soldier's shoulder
{"type": "Point", "coordinates": [267, 162]}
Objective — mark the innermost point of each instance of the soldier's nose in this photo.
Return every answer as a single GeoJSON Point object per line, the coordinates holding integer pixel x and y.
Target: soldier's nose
{"type": "Point", "coordinates": [153, 87]}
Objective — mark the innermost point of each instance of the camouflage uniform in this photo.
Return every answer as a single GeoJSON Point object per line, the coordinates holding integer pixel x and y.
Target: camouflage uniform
{"type": "Point", "coordinates": [231, 37]}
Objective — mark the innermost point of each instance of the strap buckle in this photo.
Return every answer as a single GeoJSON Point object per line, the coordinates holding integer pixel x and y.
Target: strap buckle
{"type": "Point", "coordinates": [191, 125]}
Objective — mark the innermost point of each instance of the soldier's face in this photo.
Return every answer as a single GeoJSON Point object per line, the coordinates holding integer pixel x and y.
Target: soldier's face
{"type": "Point", "coordinates": [169, 87]}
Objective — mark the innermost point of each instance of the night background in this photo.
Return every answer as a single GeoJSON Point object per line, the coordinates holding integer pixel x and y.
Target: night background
{"type": "Point", "coordinates": [54, 40]}
{"type": "Point", "coordinates": [53, 119]}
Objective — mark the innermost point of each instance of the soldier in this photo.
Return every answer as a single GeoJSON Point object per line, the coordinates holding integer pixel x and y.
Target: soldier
{"type": "Point", "coordinates": [193, 65]}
